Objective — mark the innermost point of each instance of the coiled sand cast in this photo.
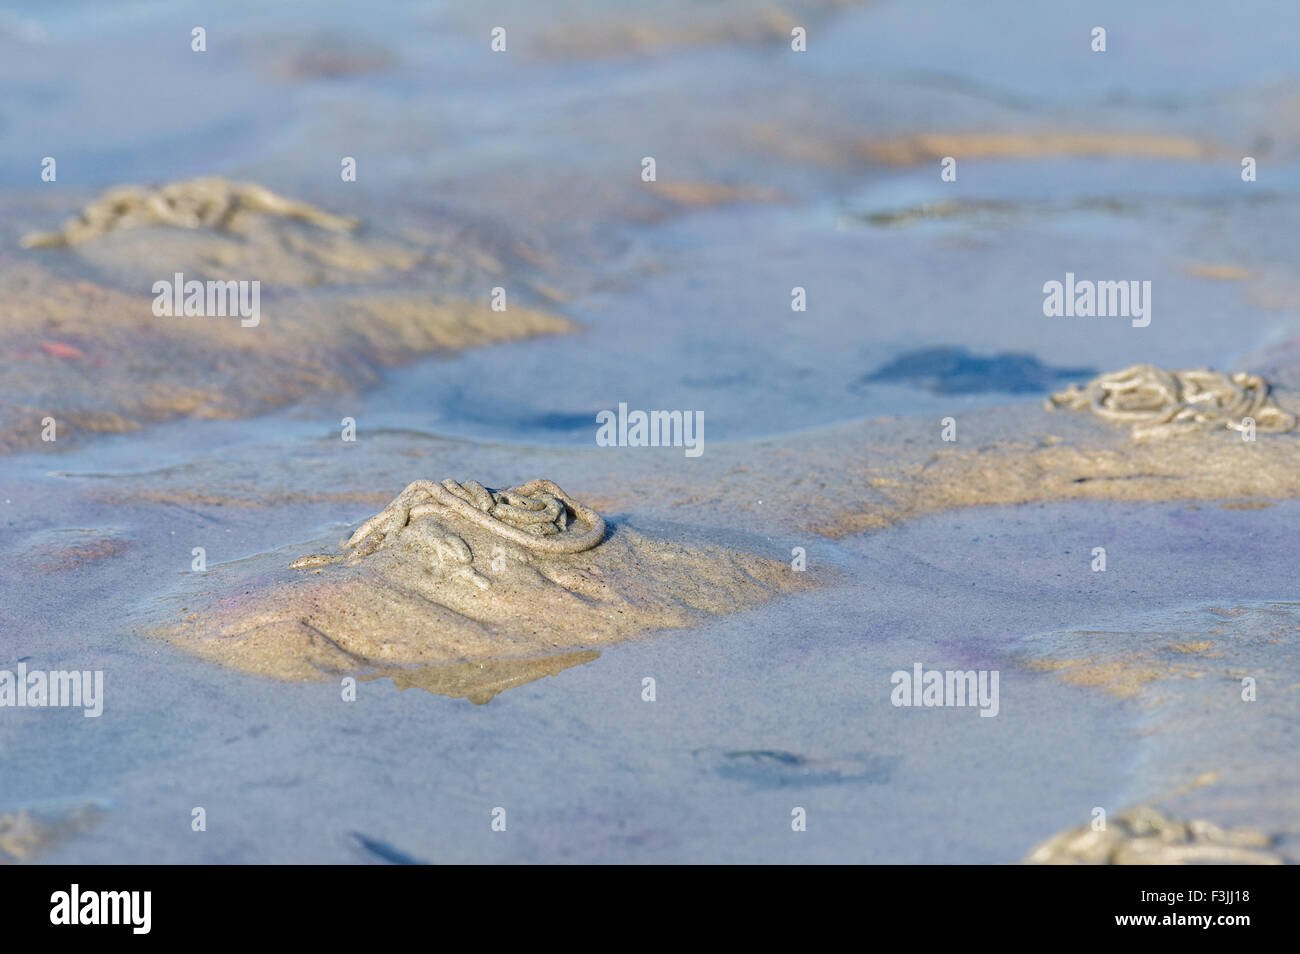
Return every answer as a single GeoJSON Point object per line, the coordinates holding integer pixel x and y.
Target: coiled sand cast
{"type": "Point", "coordinates": [1159, 403]}
{"type": "Point", "coordinates": [197, 203]}
{"type": "Point", "coordinates": [535, 515]}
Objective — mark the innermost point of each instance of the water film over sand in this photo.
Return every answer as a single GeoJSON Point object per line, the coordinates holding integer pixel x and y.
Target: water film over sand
{"type": "Point", "coordinates": [300, 409]}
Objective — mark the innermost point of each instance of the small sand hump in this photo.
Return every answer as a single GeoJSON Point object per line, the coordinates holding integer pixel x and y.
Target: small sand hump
{"type": "Point", "coordinates": [450, 572]}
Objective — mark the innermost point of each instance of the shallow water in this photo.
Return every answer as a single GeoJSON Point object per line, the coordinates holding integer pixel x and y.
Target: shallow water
{"type": "Point", "coordinates": [683, 308]}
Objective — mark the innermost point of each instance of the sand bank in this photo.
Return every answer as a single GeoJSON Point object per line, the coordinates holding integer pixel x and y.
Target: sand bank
{"type": "Point", "coordinates": [577, 32]}
{"type": "Point", "coordinates": [99, 360]}
{"type": "Point", "coordinates": [870, 474]}
{"type": "Point", "coordinates": [831, 481]}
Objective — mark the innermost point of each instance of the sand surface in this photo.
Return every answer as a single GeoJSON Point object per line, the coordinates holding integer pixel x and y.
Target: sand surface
{"type": "Point", "coordinates": [672, 694]}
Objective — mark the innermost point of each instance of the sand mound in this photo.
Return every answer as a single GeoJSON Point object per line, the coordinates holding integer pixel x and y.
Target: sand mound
{"type": "Point", "coordinates": [426, 584]}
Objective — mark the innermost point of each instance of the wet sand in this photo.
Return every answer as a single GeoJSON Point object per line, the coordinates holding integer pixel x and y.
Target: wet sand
{"type": "Point", "coordinates": [771, 683]}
